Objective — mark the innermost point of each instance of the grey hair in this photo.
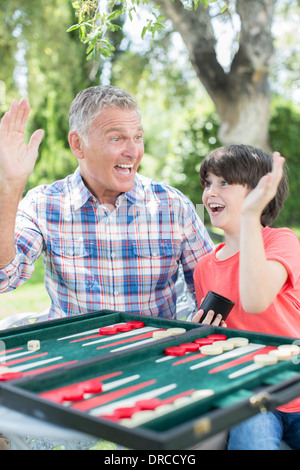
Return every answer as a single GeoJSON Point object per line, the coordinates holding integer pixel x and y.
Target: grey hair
{"type": "Point", "coordinates": [91, 101]}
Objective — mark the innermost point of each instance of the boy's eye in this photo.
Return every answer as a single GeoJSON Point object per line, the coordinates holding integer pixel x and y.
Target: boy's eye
{"type": "Point", "coordinates": [224, 183]}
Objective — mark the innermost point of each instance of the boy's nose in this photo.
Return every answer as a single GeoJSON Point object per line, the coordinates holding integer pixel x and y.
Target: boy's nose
{"type": "Point", "coordinates": [213, 190]}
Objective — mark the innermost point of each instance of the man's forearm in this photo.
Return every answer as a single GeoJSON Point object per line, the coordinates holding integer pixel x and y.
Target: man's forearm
{"type": "Point", "coordinates": [10, 196]}
{"type": "Point", "coordinates": [17, 160]}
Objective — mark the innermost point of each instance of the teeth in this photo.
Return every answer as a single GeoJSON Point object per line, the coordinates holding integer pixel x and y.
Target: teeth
{"type": "Point", "coordinates": [216, 205]}
{"type": "Point", "coordinates": [126, 166]}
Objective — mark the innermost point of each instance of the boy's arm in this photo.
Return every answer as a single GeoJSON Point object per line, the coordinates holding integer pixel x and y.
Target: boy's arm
{"type": "Point", "coordinates": [17, 161]}
{"type": "Point", "coordinates": [260, 279]}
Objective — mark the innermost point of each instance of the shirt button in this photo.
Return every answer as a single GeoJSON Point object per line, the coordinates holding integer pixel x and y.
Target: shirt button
{"type": "Point", "coordinates": [116, 293]}
{"type": "Point", "coordinates": [154, 254]}
{"type": "Point", "coordinates": [113, 255]}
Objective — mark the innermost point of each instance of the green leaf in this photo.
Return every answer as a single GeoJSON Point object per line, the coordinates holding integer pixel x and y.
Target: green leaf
{"type": "Point", "coordinates": [114, 27]}
{"type": "Point", "coordinates": [72, 28]}
{"type": "Point", "coordinates": [113, 14]}
{"type": "Point", "coordinates": [90, 48]}
{"type": "Point", "coordinates": [144, 30]}
{"type": "Point", "coordinates": [224, 8]}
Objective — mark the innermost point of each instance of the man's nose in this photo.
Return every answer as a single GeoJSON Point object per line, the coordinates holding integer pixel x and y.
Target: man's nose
{"type": "Point", "coordinates": [131, 148]}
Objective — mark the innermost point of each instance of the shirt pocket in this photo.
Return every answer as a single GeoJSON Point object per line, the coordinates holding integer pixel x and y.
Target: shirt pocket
{"type": "Point", "coordinates": [73, 263]}
{"type": "Point", "coordinates": [155, 249]}
{"type": "Point", "coordinates": [156, 263]}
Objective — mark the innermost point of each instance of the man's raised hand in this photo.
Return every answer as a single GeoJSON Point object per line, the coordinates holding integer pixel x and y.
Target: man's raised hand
{"type": "Point", "coordinates": [17, 159]}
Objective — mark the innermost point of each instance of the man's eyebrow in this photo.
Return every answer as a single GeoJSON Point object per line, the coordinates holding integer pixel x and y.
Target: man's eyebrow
{"type": "Point", "coordinates": [122, 129]}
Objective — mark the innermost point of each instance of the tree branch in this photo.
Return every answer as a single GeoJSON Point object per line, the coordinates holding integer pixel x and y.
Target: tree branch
{"type": "Point", "coordinates": [197, 33]}
{"type": "Point", "coordinates": [250, 66]}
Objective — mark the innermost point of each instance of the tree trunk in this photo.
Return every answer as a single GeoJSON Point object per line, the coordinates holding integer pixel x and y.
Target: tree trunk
{"type": "Point", "coordinates": [241, 96]}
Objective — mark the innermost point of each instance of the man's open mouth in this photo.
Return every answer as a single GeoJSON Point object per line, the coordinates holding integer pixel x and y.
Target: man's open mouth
{"type": "Point", "coordinates": [124, 169]}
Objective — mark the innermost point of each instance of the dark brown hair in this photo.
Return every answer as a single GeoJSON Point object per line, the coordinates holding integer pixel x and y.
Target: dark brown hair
{"type": "Point", "coordinates": [246, 165]}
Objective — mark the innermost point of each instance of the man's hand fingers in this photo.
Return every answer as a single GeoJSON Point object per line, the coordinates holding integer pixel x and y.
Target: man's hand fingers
{"type": "Point", "coordinates": [35, 141]}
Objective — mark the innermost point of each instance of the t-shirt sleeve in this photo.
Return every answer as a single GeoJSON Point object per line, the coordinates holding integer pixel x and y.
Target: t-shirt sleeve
{"type": "Point", "coordinates": [282, 245]}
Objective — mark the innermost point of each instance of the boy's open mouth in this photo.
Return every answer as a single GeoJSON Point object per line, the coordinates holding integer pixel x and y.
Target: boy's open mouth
{"type": "Point", "coordinates": [216, 208]}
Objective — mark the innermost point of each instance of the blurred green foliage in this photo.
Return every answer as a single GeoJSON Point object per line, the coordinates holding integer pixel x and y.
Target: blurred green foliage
{"type": "Point", "coordinates": [284, 137]}
{"type": "Point", "coordinates": [181, 125]}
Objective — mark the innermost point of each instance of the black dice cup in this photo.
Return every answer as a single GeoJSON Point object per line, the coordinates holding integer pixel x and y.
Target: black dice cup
{"type": "Point", "coordinates": [217, 303]}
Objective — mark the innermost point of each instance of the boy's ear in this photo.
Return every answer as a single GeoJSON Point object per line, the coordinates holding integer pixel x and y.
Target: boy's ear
{"type": "Point", "coordinates": [76, 145]}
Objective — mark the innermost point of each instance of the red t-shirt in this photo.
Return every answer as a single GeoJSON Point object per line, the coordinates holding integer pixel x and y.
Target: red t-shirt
{"type": "Point", "coordinates": [282, 317]}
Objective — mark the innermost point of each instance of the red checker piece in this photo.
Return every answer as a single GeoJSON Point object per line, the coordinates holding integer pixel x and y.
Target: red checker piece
{"type": "Point", "coordinates": [135, 324]}
{"type": "Point", "coordinates": [123, 328]}
{"type": "Point", "coordinates": [148, 404]}
{"type": "Point", "coordinates": [175, 351]}
{"type": "Point", "coordinates": [10, 376]}
{"type": "Point", "coordinates": [108, 330]}
{"type": "Point", "coordinates": [109, 417]}
{"type": "Point", "coordinates": [217, 337]}
{"type": "Point", "coordinates": [203, 341]}
{"type": "Point", "coordinates": [92, 386]}
{"type": "Point", "coordinates": [190, 347]}
{"type": "Point", "coordinates": [125, 412]}
{"type": "Point", "coordinates": [72, 394]}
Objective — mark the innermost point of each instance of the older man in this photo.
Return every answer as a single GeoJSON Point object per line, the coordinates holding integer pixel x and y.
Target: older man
{"type": "Point", "coordinates": [110, 238]}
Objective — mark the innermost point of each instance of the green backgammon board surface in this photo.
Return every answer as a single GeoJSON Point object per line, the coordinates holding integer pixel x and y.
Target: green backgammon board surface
{"type": "Point", "coordinates": [231, 389]}
{"type": "Point", "coordinates": [72, 340]}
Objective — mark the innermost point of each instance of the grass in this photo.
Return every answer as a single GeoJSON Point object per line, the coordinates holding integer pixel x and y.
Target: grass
{"type": "Point", "coordinates": [296, 230]}
{"type": "Point", "coordinates": [32, 296]}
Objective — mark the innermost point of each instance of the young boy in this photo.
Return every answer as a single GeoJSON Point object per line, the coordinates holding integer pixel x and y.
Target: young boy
{"type": "Point", "coordinates": [257, 267]}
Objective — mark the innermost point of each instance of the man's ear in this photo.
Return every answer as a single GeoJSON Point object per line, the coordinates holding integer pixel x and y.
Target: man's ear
{"type": "Point", "coordinates": [76, 145]}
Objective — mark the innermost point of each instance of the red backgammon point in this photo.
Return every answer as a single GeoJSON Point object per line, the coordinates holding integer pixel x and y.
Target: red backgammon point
{"type": "Point", "coordinates": [175, 351]}
{"type": "Point", "coordinates": [92, 386]}
{"type": "Point", "coordinates": [109, 417]}
{"type": "Point", "coordinates": [10, 376]}
{"type": "Point", "coordinates": [53, 396]}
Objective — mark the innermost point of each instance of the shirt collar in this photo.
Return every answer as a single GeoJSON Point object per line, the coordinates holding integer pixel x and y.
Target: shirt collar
{"type": "Point", "coordinates": [81, 193]}
{"type": "Point", "coordinates": [137, 194]}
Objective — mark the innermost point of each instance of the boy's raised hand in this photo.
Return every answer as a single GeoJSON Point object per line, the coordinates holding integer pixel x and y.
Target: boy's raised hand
{"type": "Point", "coordinates": [17, 160]}
{"type": "Point", "coordinates": [265, 191]}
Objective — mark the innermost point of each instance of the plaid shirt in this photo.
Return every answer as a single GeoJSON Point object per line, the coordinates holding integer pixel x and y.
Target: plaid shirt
{"type": "Point", "coordinates": [125, 259]}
